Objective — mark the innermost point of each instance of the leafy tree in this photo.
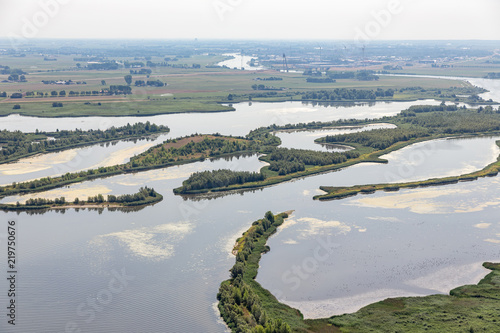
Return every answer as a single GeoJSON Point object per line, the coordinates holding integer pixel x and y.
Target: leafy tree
{"type": "Point", "coordinates": [237, 270]}
{"type": "Point", "coordinates": [128, 79]}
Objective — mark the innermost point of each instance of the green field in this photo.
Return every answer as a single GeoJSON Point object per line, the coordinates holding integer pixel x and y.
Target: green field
{"type": "Point", "coordinates": [186, 90]}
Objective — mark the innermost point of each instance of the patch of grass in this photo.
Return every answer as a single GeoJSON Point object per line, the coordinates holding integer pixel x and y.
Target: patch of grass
{"type": "Point", "coordinates": [472, 308]}
{"type": "Point", "coordinates": [111, 107]}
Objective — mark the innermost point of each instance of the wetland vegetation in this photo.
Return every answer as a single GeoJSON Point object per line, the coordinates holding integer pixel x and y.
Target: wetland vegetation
{"type": "Point", "coordinates": [246, 306]}
{"type": "Point", "coordinates": [174, 77]}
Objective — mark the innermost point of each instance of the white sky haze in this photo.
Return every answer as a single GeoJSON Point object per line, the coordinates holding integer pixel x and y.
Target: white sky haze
{"type": "Point", "coordinates": [251, 19]}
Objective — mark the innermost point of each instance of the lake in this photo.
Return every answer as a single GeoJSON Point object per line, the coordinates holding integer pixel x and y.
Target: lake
{"type": "Point", "coordinates": [158, 269]}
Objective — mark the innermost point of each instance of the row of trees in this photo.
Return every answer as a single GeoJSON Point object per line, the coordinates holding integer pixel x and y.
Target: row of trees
{"type": "Point", "coordinates": [45, 202]}
{"type": "Point", "coordinates": [429, 108]}
{"type": "Point", "coordinates": [119, 90]}
{"type": "Point", "coordinates": [239, 302]}
{"type": "Point", "coordinates": [17, 78]}
{"type": "Point", "coordinates": [340, 94]}
{"type": "Point", "coordinates": [218, 178]}
{"type": "Point", "coordinates": [107, 65]}
{"type": "Point", "coordinates": [143, 194]}
{"type": "Point", "coordinates": [493, 76]}
{"type": "Point", "coordinates": [263, 87]}
{"type": "Point", "coordinates": [16, 144]}
{"type": "Point", "coordinates": [155, 83]}
{"type": "Point", "coordinates": [423, 121]}
{"type": "Point", "coordinates": [112, 90]}
{"type": "Point", "coordinates": [363, 75]}
{"type": "Point", "coordinates": [320, 80]}
{"type": "Point", "coordinates": [378, 138]}
{"type": "Point", "coordinates": [6, 70]}
{"type": "Point", "coordinates": [463, 121]}
{"type": "Point", "coordinates": [208, 147]}
{"type": "Point", "coordinates": [142, 71]}
{"type": "Point", "coordinates": [286, 161]}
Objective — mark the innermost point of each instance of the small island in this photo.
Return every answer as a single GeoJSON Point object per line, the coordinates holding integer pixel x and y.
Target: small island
{"type": "Point", "coordinates": [16, 144]}
{"type": "Point", "coordinates": [145, 196]}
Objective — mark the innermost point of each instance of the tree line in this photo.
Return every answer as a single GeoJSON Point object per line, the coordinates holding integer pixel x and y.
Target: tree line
{"type": "Point", "coordinates": [16, 144]}
{"type": "Point", "coordinates": [240, 302]}
{"type": "Point", "coordinates": [377, 138]}
{"type": "Point", "coordinates": [142, 195]}
{"type": "Point", "coordinates": [286, 161]}
{"type": "Point", "coordinates": [363, 75]}
{"type": "Point", "coordinates": [208, 147]}
{"type": "Point", "coordinates": [340, 94]}
{"type": "Point", "coordinates": [218, 178]}
{"type": "Point", "coordinates": [463, 121]}
{"type": "Point", "coordinates": [155, 83]}
{"type": "Point", "coordinates": [423, 121]}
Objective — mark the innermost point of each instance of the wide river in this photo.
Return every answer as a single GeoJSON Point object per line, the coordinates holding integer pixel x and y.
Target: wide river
{"type": "Point", "coordinates": [158, 269]}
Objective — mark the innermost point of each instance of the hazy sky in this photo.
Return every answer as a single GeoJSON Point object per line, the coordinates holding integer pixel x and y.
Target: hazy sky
{"type": "Point", "coordinates": [251, 19]}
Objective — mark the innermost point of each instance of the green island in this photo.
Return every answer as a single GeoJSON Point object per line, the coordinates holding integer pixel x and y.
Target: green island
{"type": "Point", "coordinates": [145, 196]}
{"type": "Point", "coordinates": [246, 306]}
{"type": "Point", "coordinates": [16, 144]}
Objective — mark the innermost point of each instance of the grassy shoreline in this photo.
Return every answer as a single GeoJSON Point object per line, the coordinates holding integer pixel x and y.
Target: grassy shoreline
{"type": "Point", "coordinates": [333, 193]}
{"type": "Point", "coordinates": [150, 200]}
{"type": "Point", "coordinates": [79, 145]}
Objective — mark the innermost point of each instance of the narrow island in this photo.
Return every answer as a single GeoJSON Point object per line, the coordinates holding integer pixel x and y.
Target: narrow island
{"type": "Point", "coordinates": [145, 196]}
{"type": "Point", "coordinates": [247, 307]}
{"type": "Point", "coordinates": [16, 145]}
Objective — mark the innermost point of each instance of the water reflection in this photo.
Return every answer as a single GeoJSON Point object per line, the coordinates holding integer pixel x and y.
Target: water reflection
{"type": "Point", "coordinates": [177, 250]}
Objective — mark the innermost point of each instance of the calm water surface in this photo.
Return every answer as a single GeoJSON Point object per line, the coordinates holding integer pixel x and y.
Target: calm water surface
{"type": "Point", "coordinates": [171, 257]}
